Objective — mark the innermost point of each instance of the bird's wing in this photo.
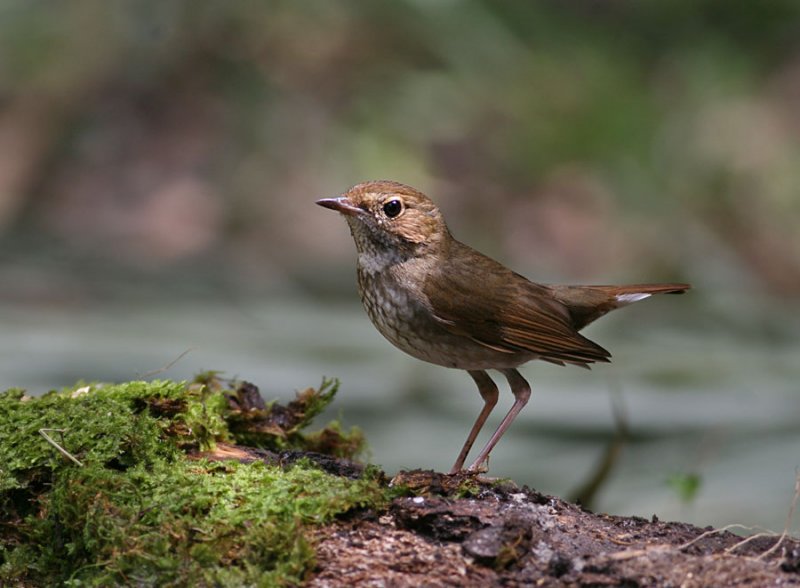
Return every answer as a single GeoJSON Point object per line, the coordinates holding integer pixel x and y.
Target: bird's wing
{"type": "Point", "coordinates": [504, 311]}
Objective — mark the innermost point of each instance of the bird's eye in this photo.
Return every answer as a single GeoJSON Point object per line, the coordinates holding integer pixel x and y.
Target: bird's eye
{"type": "Point", "coordinates": [393, 208]}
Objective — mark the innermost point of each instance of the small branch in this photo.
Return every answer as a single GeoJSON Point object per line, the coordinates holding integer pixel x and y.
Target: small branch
{"type": "Point", "coordinates": [747, 540]}
{"type": "Point", "coordinates": [61, 450]}
{"type": "Point", "coordinates": [716, 532]}
{"type": "Point", "coordinates": [789, 517]}
{"type": "Point", "coordinates": [767, 533]}
{"type": "Point", "coordinates": [586, 493]}
{"type": "Point", "coordinates": [169, 365]}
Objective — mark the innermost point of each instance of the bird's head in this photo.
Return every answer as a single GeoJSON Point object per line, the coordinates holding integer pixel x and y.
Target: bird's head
{"type": "Point", "coordinates": [389, 215]}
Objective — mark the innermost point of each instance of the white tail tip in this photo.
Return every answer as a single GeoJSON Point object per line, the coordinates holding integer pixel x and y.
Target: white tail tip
{"type": "Point", "coordinates": [631, 298]}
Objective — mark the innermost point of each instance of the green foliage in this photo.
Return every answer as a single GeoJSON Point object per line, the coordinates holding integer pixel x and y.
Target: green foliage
{"type": "Point", "coordinates": [686, 485]}
{"type": "Point", "coordinates": [332, 440]}
{"type": "Point", "coordinates": [279, 427]}
{"type": "Point", "coordinates": [140, 511]}
{"type": "Point", "coordinates": [318, 400]}
{"type": "Point", "coordinates": [635, 107]}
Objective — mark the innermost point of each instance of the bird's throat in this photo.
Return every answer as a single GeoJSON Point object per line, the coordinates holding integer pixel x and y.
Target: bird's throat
{"type": "Point", "coordinates": [377, 260]}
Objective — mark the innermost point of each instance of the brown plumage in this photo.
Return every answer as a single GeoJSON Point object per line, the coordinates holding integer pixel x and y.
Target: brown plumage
{"type": "Point", "coordinates": [443, 302]}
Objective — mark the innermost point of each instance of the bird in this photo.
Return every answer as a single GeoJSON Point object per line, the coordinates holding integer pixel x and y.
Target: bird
{"type": "Point", "coordinates": [445, 303]}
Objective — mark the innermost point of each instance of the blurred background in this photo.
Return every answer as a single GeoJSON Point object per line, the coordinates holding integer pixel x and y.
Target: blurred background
{"type": "Point", "coordinates": [159, 162]}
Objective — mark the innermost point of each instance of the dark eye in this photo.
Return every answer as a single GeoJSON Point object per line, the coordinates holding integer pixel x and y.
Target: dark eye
{"type": "Point", "coordinates": [393, 208]}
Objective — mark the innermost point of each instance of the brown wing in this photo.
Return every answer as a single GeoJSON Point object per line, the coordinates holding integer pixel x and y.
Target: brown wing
{"type": "Point", "coordinates": [474, 296]}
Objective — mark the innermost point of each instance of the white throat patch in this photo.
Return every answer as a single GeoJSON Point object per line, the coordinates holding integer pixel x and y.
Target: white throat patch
{"type": "Point", "coordinates": [376, 261]}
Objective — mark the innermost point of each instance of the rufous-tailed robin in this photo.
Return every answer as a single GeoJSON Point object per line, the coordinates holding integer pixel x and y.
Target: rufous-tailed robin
{"type": "Point", "coordinates": [445, 303]}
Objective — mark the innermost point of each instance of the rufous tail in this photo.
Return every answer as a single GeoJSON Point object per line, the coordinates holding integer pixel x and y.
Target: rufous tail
{"type": "Point", "coordinates": [588, 303]}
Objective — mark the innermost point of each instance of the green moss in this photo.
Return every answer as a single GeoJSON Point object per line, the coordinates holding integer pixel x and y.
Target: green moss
{"type": "Point", "coordinates": [193, 523]}
{"type": "Point", "coordinates": [141, 510]}
{"type": "Point", "coordinates": [107, 425]}
{"type": "Point", "coordinates": [279, 427]}
{"type": "Point", "coordinates": [332, 440]}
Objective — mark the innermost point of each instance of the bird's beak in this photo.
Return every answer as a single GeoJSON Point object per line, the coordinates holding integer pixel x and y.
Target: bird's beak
{"type": "Point", "coordinates": [341, 204]}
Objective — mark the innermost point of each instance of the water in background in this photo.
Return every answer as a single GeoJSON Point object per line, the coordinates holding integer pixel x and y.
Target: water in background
{"type": "Point", "coordinates": [709, 390]}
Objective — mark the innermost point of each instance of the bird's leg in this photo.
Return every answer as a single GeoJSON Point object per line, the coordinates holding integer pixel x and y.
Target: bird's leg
{"type": "Point", "coordinates": [522, 392]}
{"type": "Point", "coordinates": [489, 393]}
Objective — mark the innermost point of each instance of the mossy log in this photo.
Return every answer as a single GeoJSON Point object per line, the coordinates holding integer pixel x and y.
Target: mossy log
{"type": "Point", "coordinates": [203, 484]}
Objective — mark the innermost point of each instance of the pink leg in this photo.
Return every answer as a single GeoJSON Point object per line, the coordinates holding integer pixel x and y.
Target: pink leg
{"type": "Point", "coordinates": [488, 391]}
{"type": "Point", "coordinates": [522, 392]}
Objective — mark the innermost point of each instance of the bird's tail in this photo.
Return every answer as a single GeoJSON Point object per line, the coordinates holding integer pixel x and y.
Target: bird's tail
{"type": "Point", "coordinates": [587, 303]}
{"type": "Point", "coordinates": [635, 292]}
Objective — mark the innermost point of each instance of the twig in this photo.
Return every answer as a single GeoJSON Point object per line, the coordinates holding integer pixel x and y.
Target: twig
{"type": "Point", "coordinates": [60, 449]}
{"type": "Point", "coordinates": [765, 533]}
{"type": "Point", "coordinates": [602, 471]}
{"type": "Point", "coordinates": [169, 365]}
{"type": "Point", "coordinates": [747, 540]}
{"type": "Point", "coordinates": [789, 517]}
{"type": "Point", "coordinates": [715, 532]}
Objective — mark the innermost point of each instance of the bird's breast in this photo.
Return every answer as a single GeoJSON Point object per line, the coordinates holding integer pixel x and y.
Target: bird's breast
{"type": "Point", "coordinates": [397, 307]}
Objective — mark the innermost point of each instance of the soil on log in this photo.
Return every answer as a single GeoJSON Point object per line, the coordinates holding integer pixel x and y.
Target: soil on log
{"type": "Point", "coordinates": [504, 535]}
